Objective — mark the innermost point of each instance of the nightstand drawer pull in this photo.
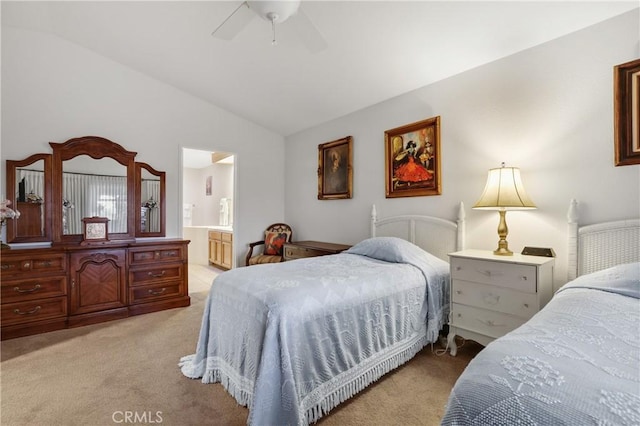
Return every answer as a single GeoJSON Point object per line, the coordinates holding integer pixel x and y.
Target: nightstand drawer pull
{"type": "Point", "coordinates": [490, 323]}
{"type": "Point", "coordinates": [161, 274]}
{"type": "Point", "coordinates": [523, 278]}
{"type": "Point", "coordinates": [157, 293]}
{"type": "Point", "coordinates": [488, 273]}
{"type": "Point", "coordinates": [526, 305]}
{"type": "Point", "coordinates": [29, 290]}
{"type": "Point", "coordinates": [491, 299]}
{"type": "Point", "coordinates": [33, 311]}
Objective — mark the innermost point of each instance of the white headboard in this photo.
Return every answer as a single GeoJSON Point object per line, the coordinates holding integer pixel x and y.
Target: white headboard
{"type": "Point", "coordinates": [602, 245]}
{"type": "Point", "coordinates": [435, 235]}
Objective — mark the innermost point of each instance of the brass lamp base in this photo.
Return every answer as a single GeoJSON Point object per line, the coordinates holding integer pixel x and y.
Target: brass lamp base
{"type": "Point", "coordinates": [503, 246]}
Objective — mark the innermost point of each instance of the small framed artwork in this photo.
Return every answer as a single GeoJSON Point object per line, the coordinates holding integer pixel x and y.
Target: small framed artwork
{"type": "Point", "coordinates": [208, 185]}
{"type": "Point", "coordinates": [626, 116]}
{"type": "Point", "coordinates": [95, 230]}
{"type": "Point", "coordinates": [412, 159]}
{"type": "Point", "coordinates": [335, 169]}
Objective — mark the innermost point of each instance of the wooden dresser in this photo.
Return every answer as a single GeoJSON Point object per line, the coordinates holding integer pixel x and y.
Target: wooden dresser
{"type": "Point", "coordinates": [300, 249]}
{"type": "Point", "coordinates": [45, 289]}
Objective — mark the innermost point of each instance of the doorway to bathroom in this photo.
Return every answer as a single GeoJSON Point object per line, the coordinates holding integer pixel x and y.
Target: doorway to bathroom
{"type": "Point", "coordinates": [208, 180]}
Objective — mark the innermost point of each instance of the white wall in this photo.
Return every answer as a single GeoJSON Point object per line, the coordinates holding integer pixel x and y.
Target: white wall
{"type": "Point", "coordinates": [547, 110]}
{"type": "Point", "coordinates": [206, 208]}
{"type": "Point", "coordinates": [53, 90]}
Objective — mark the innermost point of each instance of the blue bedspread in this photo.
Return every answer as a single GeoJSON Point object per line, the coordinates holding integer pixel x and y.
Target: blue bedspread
{"type": "Point", "coordinates": [293, 340]}
{"type": "Point", "coordinates": [577, 362]}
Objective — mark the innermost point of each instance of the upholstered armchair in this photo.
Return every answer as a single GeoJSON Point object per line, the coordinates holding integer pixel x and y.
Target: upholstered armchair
{"type": "Point", "coordinates": [274, 238]}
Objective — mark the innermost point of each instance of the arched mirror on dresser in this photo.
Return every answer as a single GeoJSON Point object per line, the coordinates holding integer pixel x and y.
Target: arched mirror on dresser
{"type": "Point", "coordinates": [96, 207]}
{"type": "Point", "coordinates": [29, 189]}
{"type": "Point", "coordinates": [150, 197]}
{"type": "Point", "coordinates": [92, 176]}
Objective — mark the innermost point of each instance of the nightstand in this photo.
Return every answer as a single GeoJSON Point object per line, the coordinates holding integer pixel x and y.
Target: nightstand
{"type": "Point", "coordinates": [300, 249]}
{"type": "Point", "coordinates": [492, 295]}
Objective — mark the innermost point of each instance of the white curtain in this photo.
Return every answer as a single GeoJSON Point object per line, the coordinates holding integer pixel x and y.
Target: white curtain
{"type": "Point", "coordinates": [33, 182]}
{"type": "Point", "coordinates": [94, 195]}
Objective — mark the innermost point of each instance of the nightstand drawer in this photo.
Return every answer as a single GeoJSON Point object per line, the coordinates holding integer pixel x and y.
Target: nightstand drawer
{"type": "Point", "coordinates": [291, 253]}
{"type": "Point", "coordinates": [494, 298]}
{"type": "Point", "coordinates": [482, 321]}
{"type": "Point", "coordinates": [509, 275]}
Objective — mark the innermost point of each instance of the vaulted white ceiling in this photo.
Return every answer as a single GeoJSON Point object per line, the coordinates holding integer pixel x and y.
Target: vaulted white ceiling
{"type": "Point", "coordinates": [376, 49]}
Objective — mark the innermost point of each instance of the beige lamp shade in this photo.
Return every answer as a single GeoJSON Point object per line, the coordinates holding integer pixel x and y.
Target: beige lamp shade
{"type": "Point", "coordinates": [504, 191]}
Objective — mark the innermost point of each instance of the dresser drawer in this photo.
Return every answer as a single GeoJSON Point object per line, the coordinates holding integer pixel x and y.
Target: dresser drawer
{"type": "Point", "coordinates": [171, 253]}
{"type": "Point", "coordinates": [494, 298]}
{"type": "Point", "coordinates": [509, 275]}
{"type": "Point", "coordinates": [36, 310]}
{"type": "Point", "coordinates": [44, 263]}
{"type": "Point", "coordinates": [145, 276]}
{"type": "Point", "coordinates": [143, 294]}
{"type": "Point", "coordinates": [482, 321]}
{"type": "Point", "coordinates": [33, 288]}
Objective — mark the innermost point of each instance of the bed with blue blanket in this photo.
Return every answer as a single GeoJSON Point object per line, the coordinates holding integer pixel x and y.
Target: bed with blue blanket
{"type": "Point", "coordinates": [577, 361]}
{"type": "Point", "coordinates": [293, 340]}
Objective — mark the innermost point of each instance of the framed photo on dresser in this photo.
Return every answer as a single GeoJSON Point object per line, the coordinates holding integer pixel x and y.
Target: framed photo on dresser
{"type": "Point", "coordinates": [95, 230]}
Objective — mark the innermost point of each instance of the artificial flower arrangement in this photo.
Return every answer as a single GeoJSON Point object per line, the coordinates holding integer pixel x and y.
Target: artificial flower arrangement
{"type": "Point", "coordinates": [7, 212]}
{"type": "Point", "coordinates": [150, 203]}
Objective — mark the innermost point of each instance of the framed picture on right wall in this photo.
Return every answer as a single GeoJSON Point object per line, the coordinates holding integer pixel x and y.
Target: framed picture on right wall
{"type": "Point", "coordinates": [412, 159]}
{"type": "Point", "coordinates": [626, 116]}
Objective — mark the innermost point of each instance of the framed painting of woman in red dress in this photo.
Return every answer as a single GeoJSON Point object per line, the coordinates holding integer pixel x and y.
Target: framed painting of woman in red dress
{"type": "Point", "coordinates": [412, 158]}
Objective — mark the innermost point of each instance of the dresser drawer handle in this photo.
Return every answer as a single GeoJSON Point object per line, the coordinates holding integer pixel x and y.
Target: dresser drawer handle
{"type": "Point", "coordinates": [526, 305]}
{"type": "Point", "coordinates": [458, 291]}
{"type": "Point", "coordinates": [161, 274]}
{"type": "Point", "coordinates": [157, 293]}
{"type": "Point", "coordinates": [8, 266]}
{"type": "Point", "coordinates": [485, 273]}
{"type": "Point", "coordinates": [458, 268]}
{"type": "Point", "coordinates": [172, 253]}
{"type": "Point", "coordinates": [523, 278]}
{"type": "Point", "coordinates": [45, 263]}
{"type": "Point", "coordinates": [33, 311]}
{"type": "Point", "coordinates": [29, 290]}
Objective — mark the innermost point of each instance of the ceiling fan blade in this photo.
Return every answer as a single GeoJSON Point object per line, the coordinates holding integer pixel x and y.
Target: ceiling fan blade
{"type": "Point", "coordinates": [235, 23]}
{"type": "Point", "coordinates": [308, 33]}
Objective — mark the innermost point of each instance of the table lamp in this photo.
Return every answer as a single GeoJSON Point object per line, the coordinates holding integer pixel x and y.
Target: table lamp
{"type": "Point", "coordinates": [504, 191]}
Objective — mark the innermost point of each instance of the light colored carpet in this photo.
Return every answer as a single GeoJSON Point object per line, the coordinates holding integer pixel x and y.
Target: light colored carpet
{"type": "Point", "coordinates": [100, 374]}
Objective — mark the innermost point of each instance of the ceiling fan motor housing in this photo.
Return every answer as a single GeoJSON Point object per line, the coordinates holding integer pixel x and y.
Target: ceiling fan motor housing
{"type": "Point", "coordinates": [275, 11]}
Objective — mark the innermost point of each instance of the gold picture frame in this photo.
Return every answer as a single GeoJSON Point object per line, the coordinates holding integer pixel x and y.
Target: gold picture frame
{"type": "Point", "coordinates": [412, 159]}
{"type": "Point", "coordinates": [626, 116]}
{"type": "Point", "coordinates": [335, 169]}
